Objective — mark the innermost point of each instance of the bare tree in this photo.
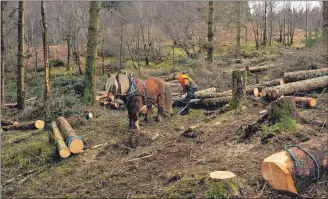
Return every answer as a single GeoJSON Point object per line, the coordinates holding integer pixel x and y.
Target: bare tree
{"type": "Point", "coordinates": [93, 40]}
{"type": "Point", "coordinates": [3, 56]}
{"type": "Point", "coordinates": [210, 31]}
{"type": "Point", "coordinates": [265, 24]}
{"type": "Point", "coordinates": [20, 59]}
{"type": "Point", "coordinates": [45, 52]}
{"type": "Point", "coordinates": [239, 10]}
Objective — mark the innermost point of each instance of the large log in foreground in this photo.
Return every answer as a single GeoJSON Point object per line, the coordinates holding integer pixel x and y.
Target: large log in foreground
{"type": "Point", "coordinates": [63, 150]}
{"type": "Point", "coordinates": [290, 88]}
{"type": "Point", "coordinates": [74, 142]}
{"type": "Point", "coordinates": [305, 74]}
{"type": "Point", "coordinates": [39, 124]}
{"type": "Point", "coordinates": [282, 173]}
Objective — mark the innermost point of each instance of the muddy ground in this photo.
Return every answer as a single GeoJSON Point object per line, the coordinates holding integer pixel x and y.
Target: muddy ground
{"type": "Point", "coordinates": [175, 166]}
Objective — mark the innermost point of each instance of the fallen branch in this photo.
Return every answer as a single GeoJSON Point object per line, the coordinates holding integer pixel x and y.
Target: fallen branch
{"type": "Point", "coordinates": [135, 159]}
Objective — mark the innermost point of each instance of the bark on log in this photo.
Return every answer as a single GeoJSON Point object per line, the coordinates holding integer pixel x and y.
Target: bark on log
{"type": "Point", "coordinates": [201, 92]}
{"type": "Point", "coordinates": [8, 122]}
{"type": "Point", "coordinates": [75, 143]}
{"type": "Point", "coordinates": [39, 124]}
{"type": "Point", "coordinates": [306, 74]}
{"type": "Point", "coordinates": [212, 102]}
{"type": "Point", "coordinates": [305, 101]}
{"type": "Point", "coordinates": [63, 150]}
{"type": "Point", "coordinates": [213, 95]}
{"type": "Point", "coordinates": [255, 69]}
{"type": "Point", "coordinates": [304, 85]}
{"type": "Point", "coordinates": [11, 105]}
{"type": "Point", "coordinates": [280, 172]}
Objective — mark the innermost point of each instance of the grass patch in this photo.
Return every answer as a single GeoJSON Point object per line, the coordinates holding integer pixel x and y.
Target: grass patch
{"type": "Point", "coordinates": [221, 189]}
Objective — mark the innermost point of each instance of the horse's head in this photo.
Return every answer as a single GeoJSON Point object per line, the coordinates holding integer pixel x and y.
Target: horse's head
{"type": "Point", "coordinates": [116, 85]}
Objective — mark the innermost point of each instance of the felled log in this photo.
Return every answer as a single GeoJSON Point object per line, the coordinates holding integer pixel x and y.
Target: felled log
{"type": "Point", "coordinates": [39, 124]}
{"type": "Point", "coordinates": [255, 69]}
{"type": "Point", "coordinates": [212, 102]}
{"type": "Point", "coordinates": [8, 122]}
{"type": "Point", "coordinates": [305, 74]}
{"type": "Point", "coordinates": [213, 95]}
{"type": "Point", "coordinates": [305, 101]}
{"type": "Point", "coordinates": [11, 105]}
{"type": "Point", "coordinates": [202, 92]}
{"type": "Point", "coordinates": [281, 172]}
{"type": "Point", "coordinates": [63, 150]}
{"type": "Point", "coordinates": [74, 142]}
{"type": "Point", "coordinates": [304, 85]}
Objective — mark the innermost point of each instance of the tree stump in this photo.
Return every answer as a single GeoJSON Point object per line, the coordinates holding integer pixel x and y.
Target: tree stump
{"type": "Point", "coordinates": [222, 184]}
{"type": "Point", "coordinates": [239, 80]}
{"type": "Point", "coordinates": [282, 113]}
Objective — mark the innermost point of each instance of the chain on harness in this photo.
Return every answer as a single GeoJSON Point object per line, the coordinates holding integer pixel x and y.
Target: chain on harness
{"type": "Point", "coordinates": [297, 162]}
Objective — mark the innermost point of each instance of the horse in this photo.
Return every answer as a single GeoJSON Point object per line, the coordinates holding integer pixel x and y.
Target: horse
{"type": "Point", "coordinates": [139, 96]}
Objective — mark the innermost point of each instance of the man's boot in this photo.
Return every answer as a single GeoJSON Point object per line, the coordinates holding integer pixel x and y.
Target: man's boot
{"type": "Point", "coordinates": [185, 111]}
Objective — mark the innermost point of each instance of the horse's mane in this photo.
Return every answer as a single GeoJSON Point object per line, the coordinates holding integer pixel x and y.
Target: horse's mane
{"type": "Point", "coordinates": [123, 86]}
{"type": "Point", "coordinates": [111, 84]}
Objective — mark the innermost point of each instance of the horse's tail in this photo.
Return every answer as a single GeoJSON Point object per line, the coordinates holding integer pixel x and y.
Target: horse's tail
{"type": "Point", "coordinates": [167, 98]}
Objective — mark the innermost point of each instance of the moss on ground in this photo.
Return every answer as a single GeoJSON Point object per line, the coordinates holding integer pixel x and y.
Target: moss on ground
{"type": "Point", "coordinates": [221, 189]}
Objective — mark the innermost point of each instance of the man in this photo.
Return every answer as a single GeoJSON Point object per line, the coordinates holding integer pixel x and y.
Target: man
{"type": "Point", "coordinates": [189, 87]}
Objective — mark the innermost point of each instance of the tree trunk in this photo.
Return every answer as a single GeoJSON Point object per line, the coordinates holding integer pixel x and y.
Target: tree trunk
{"type": "Point", "coordinates": [45, 52]}
{"type": "Point", "coordinates": [265, 25]}
{"type": "Point", "coordinates": [39, 124]}
{"type": "Point", "coordinates": [306, 74]}
{"type": "Point", "coordinates": [239, 4]}
{"type": "Point", "coordinates": [282, 173]}
{"type": "Point", "coordinates": [68, 40]}
{"type": "Point", "coordinates": [280, 35]}
{"type": "Point", "coordinates": [102, 55]}
{"type": "Point", "coordinates": [306, 24]}
{"type": "Point", "coordinates": [239, 80]}
{"type": "Point", "coordinates": [3, 56]}
{"type": "Point", "coordinates": [92, 51]}
{"type": "Point", "coordinates": [75, 143]}
{"type": "Point", "coordinates": [325, 26]}
{"type": "Point", "coordinates": [121, 48]}
{"type": "Point", "coordinates": [304, 85]}
{"type": "Point", "coordinates": [284, 38]}
{"type": "Point", "coordinates": [210, 32]}
{"type": "Point", "coordinates": [63, 150]}
{"type": "Point", "coordinates": [20, 58]}
{"type": "Point", "coordinates": [173, 56]}
{"type": "Point", "coordinates": [271, 22]}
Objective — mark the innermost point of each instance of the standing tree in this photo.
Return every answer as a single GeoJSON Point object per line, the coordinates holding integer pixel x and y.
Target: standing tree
{"type": "Point", "coordinates": [325, 26]}
{"type": "Point", "coordinates": [265, 24]}
{"type": "Point", "coordinates": [45, 52]}
{"type": "Point", "coordinates": [239, 7]}
{"type": "Point", "coordinates": [92, 51]}
{"type": "Point", "coordinates": [20, 59]}
{"type": "Point", "coordinates": [210, 33]}
{"type": "Point", "coordinates": [3, 57]}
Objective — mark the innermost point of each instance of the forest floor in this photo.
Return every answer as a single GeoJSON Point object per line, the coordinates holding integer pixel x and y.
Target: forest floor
{"type": "Point", "coordinates": [154, 162]}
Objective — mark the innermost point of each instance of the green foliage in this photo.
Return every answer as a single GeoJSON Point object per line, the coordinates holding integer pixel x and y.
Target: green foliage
{"type": "Point", "coordinates": [309, 41]}
{"type": "Point", "coordinates": [69, 84]}
{"type": "Point", "coordinates": [221, 189]}
{"type": "Point", "coordinates": [35, 153]}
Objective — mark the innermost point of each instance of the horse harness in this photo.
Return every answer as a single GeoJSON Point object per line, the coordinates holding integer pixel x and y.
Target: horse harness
{"type": "Point", "coordinates": [133, 90]}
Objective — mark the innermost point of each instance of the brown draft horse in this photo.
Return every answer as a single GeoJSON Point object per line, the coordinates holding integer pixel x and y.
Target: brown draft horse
{"type": "Point", "coordinates": [140, 96]}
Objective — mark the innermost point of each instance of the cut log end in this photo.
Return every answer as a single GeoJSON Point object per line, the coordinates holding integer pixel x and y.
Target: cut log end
{"type": "Point", "coordinates": [275, 172]}
{"type": "Point", "coordinates": [222, 175]}
{"type": "Point", "coordinates": [76, 146]}
{"type": "Point", "coordinates": [256, 92]}
{"type": "Point", "coordinates": [39, 124]}
{"type": "Point", "coordinates": [282, 81]}
{"type": "Point", "coordinates": [313, 102]}
{"type": "Point", "coordinates": [64, 153]}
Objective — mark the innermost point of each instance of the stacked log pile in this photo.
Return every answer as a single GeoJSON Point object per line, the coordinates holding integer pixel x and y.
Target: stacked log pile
{"type": "Point", "coordinates": [289, 85]}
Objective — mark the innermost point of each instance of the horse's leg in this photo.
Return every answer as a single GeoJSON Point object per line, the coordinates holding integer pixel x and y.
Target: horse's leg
{"type": "Point", "coordinates": [149, 111]}
{"type": "Point", "coordinates": [160, 104]}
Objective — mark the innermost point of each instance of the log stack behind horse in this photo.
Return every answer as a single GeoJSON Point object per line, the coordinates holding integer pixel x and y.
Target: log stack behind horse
{"type": "Point", "coordinates": [138, 94]}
